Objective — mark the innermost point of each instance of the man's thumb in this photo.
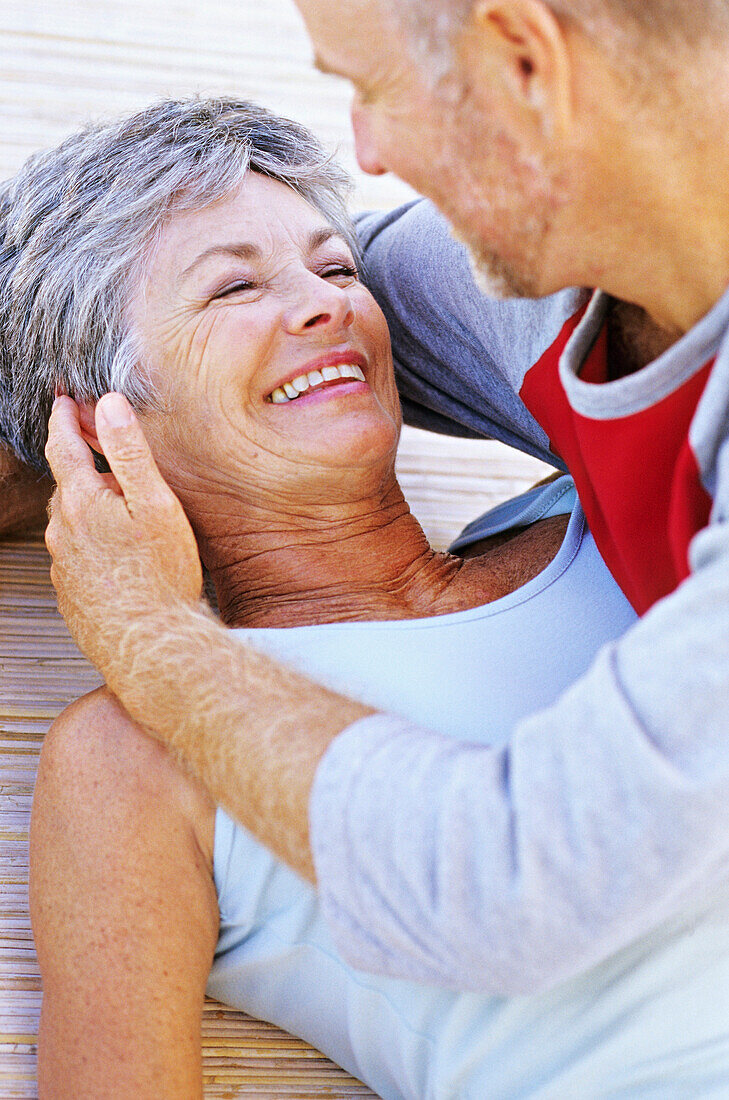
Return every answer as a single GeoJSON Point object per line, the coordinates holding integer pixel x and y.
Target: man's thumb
{"type": "Point", "coordinates": [127, 452]}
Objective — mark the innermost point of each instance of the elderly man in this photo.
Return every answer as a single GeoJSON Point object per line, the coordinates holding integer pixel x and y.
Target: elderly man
{"type": "Point", "coordinates": [573, 143]}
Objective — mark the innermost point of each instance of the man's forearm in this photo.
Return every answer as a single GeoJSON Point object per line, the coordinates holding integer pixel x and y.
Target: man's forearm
{"type": "Point", "coordinates": [252, 730]}
{"type": "Point", "coordinates": [24, 494]}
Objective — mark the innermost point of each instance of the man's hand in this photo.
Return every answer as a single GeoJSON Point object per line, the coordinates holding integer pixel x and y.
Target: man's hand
{"type": "Point", "coordinates": [121, 544]}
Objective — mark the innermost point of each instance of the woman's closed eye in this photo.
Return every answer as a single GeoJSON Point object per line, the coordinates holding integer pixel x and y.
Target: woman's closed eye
{"type": "Point", "coordinates": [342, 271]}
{"type": "Point", "coordinates": [346, 272]}
{"type": "Point", "coordinates": [238, 287]}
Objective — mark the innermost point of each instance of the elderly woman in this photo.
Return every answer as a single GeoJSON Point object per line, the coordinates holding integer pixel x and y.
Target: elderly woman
{"type": "Point", "coordinates": [198, 258]}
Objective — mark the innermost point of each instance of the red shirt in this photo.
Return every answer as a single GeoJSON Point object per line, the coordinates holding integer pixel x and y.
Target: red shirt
{"type": "Point", "coordinates": [637, 476]}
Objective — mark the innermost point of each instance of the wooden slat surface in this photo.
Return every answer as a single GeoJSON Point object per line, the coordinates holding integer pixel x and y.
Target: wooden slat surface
{"type": "Point", "coordinates": [63, 62]}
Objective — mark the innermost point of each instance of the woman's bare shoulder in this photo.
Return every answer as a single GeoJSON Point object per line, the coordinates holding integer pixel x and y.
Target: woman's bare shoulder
{"type": "Point", "coordinates": [502, 563]}
{"type": "Point", "coordinates": [95, 740]}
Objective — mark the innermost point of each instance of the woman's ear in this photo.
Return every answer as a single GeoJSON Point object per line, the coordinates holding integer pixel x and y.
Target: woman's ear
{"type": "Point", "coordinates": [87, 421]}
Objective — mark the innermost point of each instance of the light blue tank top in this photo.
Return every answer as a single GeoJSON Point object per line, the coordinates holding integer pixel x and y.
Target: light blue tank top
{"type": "Point", "coordinates": [474, 674]}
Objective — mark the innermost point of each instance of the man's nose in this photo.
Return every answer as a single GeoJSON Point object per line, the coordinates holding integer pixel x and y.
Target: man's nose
{"type": "Point", "coordinates": [364, 144]}
{"type": "Point", "coordinates": [319, 304]}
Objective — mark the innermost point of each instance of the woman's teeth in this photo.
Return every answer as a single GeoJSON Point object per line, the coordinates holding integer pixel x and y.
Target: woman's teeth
{"type": "Point", "coordinates": [303, 382]}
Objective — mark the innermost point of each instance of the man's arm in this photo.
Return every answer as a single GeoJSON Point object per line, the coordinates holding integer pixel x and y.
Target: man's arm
{"type": "Point", "coordinates": [251, 729]}
{"type": "Point", "coordinates": [24, 494]}
{"type": "Point", "coordinates": [504, 870]}
{"type": "Point", "coordinates": [508, 870]}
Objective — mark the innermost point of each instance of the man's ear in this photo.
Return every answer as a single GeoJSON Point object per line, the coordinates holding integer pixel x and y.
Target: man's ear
{"type": "Point", "coordinates": [524, 48]}
{"type": "Point", "coordinates": [87, 421]}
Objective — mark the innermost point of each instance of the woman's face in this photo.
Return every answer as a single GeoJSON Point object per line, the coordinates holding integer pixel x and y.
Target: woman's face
{"type": "Point", "coordinates": [273, 360]}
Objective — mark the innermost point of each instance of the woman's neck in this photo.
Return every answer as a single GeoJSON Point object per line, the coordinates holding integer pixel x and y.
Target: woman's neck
{"type": "Point", "coordinates": [367, 559]}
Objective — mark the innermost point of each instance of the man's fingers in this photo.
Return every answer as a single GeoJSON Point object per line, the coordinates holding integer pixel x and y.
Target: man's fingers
{"type": "Point", "coordinates": [68, 456]}
{"type": "Point", "coordinates": [156, 513]}
{"type": "Point", "coordinates": [130, 459]}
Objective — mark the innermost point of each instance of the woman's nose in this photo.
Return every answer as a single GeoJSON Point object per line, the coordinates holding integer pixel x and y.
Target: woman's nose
{"type": "Point", "coordinates": [319, 303]}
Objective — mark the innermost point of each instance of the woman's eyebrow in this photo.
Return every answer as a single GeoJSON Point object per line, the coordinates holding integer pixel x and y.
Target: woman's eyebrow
{"type": "Point", "coordinates": [246, 250]}
{"type": "Point", "coordinates": [242, 250]}
{"type": "Point", "coordinates": [326, 233]}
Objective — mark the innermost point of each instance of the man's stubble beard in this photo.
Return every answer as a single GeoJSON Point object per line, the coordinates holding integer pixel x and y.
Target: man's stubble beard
{"type": "Point", "coordinates": [510, 187]}
{"type": "Point", "coordinates": [493, 275]}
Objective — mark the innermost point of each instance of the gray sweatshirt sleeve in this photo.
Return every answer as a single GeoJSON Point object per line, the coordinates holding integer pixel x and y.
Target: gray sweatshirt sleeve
{"type": "Point", "coordinates": [507, 870]}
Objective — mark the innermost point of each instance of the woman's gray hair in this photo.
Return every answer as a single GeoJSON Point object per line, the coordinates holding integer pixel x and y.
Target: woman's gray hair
{"type": "Point", "coordinates": [78, 222]}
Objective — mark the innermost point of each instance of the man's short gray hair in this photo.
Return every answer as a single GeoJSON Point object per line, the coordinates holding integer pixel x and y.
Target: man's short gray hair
{"type": "Point", "coordinates": [78, 222]}
{"type": "Point", "coordinates": [615, 24]}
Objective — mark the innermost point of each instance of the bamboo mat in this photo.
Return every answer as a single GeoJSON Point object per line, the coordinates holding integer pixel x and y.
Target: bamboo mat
{"type": "Point", "coordinates": [65, 62]}
{"type": "Point", "coordinates": [447, 483]}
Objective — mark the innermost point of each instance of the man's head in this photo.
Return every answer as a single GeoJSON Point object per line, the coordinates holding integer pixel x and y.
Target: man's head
{"type": "Point", "coordinates": [526, 121]}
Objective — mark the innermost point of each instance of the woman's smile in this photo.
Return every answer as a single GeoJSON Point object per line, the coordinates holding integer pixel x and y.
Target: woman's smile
{"type": "Point", "coordinates": [341, 370]}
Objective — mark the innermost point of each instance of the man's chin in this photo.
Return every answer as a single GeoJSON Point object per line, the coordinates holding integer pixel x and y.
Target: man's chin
{"type": "Point", "coordinates": [492, 275]}
{"type": "Point", "coordinates": [492, 280]}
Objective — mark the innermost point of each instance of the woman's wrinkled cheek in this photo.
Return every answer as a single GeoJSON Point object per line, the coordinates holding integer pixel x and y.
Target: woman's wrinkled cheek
{"type": "Point", "coordinates": [184, 352]}
{"type": "Point", "coordinates": [217, 446]}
